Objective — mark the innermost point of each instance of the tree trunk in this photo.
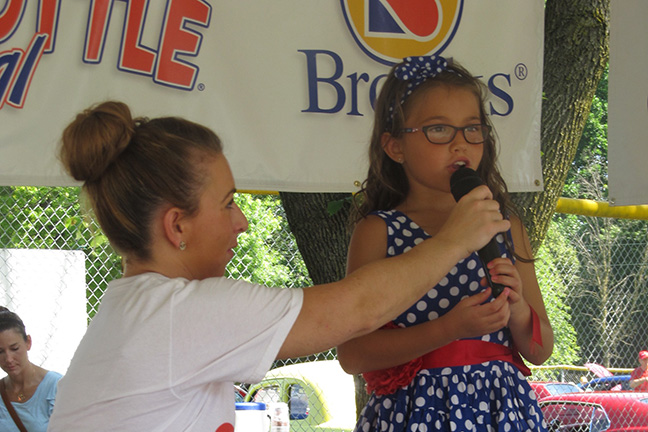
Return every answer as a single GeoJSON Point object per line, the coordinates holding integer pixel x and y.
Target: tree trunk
{"type": "Point", "coordinates": [576, 52]}
{"type": "Point", "coordinates": [323, 241]}
{"type": "Point", "coordinates": [322, 238]}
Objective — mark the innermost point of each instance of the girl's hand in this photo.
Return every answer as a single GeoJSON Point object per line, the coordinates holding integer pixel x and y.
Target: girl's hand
{"type": "Point", "coordinates": [473, 221]}
{"type": "Point", "coordinates": [503, 271]}
{"type": "Point", "coordinates": [471, 317]}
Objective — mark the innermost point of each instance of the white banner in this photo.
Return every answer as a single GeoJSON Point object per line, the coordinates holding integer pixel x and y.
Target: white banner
{"type": "Point", "coordinates": [287, 84]}
{"type": "Point", "coordinates": [628, 103]}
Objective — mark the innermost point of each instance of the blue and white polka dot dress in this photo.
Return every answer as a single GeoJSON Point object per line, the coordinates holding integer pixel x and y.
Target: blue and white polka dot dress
{"type": "Point", "coordinates": [490, 396]}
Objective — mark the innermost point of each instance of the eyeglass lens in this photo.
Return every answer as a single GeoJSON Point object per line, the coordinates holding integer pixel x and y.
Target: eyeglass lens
{"type": "Point", "coordinates": [443, 134]}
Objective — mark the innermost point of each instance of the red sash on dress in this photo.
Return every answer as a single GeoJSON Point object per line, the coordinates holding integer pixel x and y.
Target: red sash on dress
{"type": "Point", "coordinates": [458, 353]}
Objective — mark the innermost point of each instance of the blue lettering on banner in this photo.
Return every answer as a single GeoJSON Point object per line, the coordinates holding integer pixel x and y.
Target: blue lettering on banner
{"type": "Point", "coordinates": [316, 82]}
{"type": "Point", "coordinates": [501, 94]}
{"type": "Point", "coordinates": [17, 68]}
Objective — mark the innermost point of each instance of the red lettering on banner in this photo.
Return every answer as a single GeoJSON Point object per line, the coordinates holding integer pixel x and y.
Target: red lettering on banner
{"type": "Point", "coordinates": [177, 39]}
{"type": "Point", "coordinates": [97, 30]}
{"type": "Point", "coordinates": [133, 57]}
{"type": "Point", "coordinates": [10, 18]}
{"type": "Point", "coordinates": [48, 16]}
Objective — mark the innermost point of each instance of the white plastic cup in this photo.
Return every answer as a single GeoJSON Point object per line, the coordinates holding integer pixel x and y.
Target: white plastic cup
{"type": "Point", "coordinates": [251, 417]}
{"type": "Point", "coordinates": [279, 417]}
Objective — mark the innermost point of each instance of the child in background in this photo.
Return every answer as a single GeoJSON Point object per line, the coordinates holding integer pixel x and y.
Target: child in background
{"type": "Point", "coordinates": [452, 361]}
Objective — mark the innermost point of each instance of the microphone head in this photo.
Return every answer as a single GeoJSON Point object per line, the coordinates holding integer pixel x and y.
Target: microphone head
{"type": "Point", "coordinates": [463, 181]}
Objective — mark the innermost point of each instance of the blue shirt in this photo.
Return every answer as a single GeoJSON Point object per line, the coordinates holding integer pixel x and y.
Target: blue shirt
{"type": "Point", "coordinates": [35, 412]}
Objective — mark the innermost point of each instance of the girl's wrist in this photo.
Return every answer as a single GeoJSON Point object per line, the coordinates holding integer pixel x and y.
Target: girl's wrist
{"type": "Point", "coordinates": [520, 312]}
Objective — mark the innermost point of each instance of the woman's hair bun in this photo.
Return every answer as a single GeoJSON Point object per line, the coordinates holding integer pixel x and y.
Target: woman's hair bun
{"type": "Point", "coordinates": [95, 139]}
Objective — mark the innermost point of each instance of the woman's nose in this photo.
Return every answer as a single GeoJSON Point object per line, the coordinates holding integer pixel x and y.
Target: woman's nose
{"type": "Point", "coordinates": [240, 221]}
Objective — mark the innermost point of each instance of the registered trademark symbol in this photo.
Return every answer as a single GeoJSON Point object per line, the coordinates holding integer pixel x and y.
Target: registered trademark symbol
{"type": "Point", "coordinates": [521, 71]}
{"type": "Point", "coordinates": [201, 87]}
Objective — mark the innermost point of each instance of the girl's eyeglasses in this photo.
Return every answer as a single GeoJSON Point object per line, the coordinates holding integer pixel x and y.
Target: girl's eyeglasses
{"type": "Point", "coordinates": [443, 134]}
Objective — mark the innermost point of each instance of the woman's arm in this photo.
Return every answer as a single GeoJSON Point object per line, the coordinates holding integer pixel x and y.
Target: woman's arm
{"type": "Point", "coordinates": [634, 383]}
{"type": "Point", "coordinates": [386, 348]}
{"type": "Point", "coordinates": [366, 299]}
{"type": "Point", "coordinates": [381, 348]}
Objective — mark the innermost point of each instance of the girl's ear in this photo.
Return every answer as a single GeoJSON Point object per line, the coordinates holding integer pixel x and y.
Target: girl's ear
{"type": "Point", "coordinates": [392, 147]}
{"type": "Point", "coordinates": [173, 223]}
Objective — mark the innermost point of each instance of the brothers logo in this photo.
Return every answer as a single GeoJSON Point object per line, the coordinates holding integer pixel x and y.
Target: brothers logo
{"type": "Point", "coordinates": [388, 30]}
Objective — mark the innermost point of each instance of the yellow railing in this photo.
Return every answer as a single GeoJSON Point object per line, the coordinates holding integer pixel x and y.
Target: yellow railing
{"type": "Point", "coordinates": [582, 207]}
{"type": "Point", "coordinates": [600, 209]}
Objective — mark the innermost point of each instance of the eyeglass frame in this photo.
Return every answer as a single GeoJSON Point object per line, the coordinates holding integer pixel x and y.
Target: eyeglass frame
{"type": "Point", "coordinates": [486, 131]}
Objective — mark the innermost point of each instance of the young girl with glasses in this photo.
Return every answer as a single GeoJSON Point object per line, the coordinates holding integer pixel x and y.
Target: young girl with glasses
{"type": "Point", "coordinates": [452, 360]}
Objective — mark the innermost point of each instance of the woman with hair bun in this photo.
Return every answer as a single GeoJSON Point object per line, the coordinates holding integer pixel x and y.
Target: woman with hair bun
{"type": "Point", "coordinates": [167, 344]}
{"type": "Point", "coordinates": [27, 390]}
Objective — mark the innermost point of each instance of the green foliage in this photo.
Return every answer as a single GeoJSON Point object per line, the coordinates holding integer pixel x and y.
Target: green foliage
{"type": "Point", "coordinates": [35, 217]}
{"type": "Point", "coordinates": [54, 218]}
{"type": "Point", "coordinates": [608, 292]}
{"type": "Point", "coordinates": [51, 218]}
{"type": "Point", "coordinates": [591, 156]}
{"type": "Point", "coordinates": [337, 205]}
{"type": "Point", "coordinates": [556, 264]}
{"type": "Point", "coordinates": [266, 254]}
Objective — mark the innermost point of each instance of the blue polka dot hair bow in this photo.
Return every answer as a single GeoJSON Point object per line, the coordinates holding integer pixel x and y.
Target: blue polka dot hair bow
{"type": "Point", "coordinates": [416, 70]}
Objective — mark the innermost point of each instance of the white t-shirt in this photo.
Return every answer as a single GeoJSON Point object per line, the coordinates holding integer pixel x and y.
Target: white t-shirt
{"type": "Point", "coordinates": [162, 354]}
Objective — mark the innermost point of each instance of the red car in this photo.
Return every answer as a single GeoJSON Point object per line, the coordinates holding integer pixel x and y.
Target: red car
{"type": "Point", "coordinates": [543, 389]}
{"type": "Point", "coordinates": [596, 411]}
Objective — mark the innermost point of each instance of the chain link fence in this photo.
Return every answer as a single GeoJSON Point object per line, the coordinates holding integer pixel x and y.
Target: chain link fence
{"type": "Point", "coordinates": [55, 264]}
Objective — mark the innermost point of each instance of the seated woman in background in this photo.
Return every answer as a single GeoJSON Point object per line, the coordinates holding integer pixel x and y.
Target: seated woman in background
{"type": "Point", "coordinates": [27, 389]}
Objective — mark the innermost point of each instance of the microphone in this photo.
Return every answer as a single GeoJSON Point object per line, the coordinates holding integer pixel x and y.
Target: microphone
{"type": "Point", "coordinates": [463, 181]}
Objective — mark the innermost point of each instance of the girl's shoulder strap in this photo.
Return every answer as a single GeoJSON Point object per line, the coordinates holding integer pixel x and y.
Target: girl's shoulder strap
{"type": "Point", "coordinates": [390, 215]}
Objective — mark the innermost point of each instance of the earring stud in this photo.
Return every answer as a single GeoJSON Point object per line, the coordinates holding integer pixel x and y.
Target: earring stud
{"type": "Point", "coordinates": [182, 246]}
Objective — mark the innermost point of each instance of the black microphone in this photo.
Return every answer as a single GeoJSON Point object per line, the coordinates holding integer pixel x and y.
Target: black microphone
{"type": "Point", "coordinates": [463, 181]}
